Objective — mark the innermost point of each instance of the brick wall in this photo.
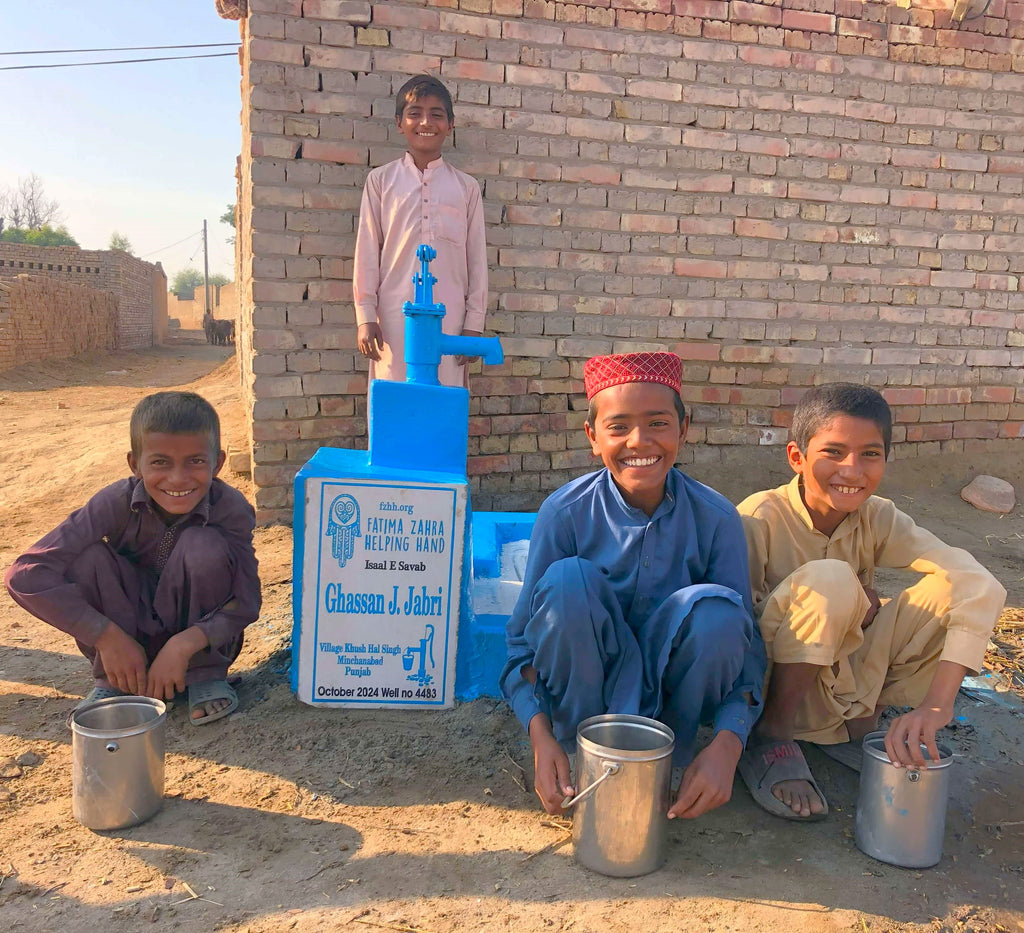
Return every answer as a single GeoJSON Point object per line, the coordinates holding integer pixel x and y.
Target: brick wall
{"type": "Point", "coordinates": [132, 281]}
{"type": "Point", "coordinates": [781, 196]}
{"type": "Point", "coordinates": [43, 318]}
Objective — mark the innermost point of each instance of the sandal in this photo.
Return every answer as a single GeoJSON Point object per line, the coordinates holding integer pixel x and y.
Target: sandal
{"type": "Point", "coordinates": [765, 763]}
{"type": "Point", "coordinates": [205, 692]}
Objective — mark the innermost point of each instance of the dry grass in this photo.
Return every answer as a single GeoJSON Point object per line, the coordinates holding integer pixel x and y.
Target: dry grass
{"type": "Point", "coordinates": [1005, 653]}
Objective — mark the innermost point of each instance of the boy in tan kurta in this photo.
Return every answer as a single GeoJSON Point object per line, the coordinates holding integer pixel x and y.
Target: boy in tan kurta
{"type": "Point", "coordinates": [837, 657]}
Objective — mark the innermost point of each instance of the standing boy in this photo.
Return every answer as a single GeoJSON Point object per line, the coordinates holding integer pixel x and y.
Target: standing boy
{"type": "Point", "coordinates": [838, 656]}
{"type": "Point", "coordinates": [155, 576]}
{"type": "Point", "coordinates": [416, 199]}
{"type": "Point", "coordinates": [635, 598]}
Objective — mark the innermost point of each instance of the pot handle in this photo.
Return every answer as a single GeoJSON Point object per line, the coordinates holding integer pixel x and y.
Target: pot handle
{"type": "Point", "coordinates": [610, 768]}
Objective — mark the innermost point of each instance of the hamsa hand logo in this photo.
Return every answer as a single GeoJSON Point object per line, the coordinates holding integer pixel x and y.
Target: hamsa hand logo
{"type": "Point", "coordinates": [343, 527]}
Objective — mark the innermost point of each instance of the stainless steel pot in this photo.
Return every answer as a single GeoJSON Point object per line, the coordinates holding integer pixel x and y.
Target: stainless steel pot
{"type": "Point", "coordinates": [901, 812]}
{"type": "Point", "coordinates": [624, 765]}
{"type": "Point", "coordinates": [118, 761]}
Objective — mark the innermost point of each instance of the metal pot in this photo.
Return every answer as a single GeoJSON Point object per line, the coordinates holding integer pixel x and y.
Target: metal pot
{"type": "Point", "coordinates": [118, 761]}
{"type": "Point", "coordinates": [901, 812]}
{"type": "Point", "coordinates": [624, 764]}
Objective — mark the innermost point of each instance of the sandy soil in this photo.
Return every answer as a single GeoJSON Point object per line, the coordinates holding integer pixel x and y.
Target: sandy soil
{"type": "Point", "coordinates": [284, 817]}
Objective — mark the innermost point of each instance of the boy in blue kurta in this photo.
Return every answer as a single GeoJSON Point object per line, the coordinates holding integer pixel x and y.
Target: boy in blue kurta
{"type": "Point", "coordinates": [636, 597]}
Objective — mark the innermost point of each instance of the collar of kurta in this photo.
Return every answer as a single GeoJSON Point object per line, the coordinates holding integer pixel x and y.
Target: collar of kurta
{"type": "Point", "coordinates": [431, 166]}
{"type": "Point", "coordinates": [142, 499]}
{"type": "Point", "coordinates": [796, 500]}
{"type": "Point", "coordinates": [666, 505]}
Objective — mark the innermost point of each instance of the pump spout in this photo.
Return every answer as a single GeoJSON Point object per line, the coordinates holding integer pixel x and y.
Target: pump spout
{"type": "Point", "coordinates": [489, 348]}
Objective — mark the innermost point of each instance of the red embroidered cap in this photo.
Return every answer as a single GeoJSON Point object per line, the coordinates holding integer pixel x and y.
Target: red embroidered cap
{"type": "Point", "coordinates": [602, 372]}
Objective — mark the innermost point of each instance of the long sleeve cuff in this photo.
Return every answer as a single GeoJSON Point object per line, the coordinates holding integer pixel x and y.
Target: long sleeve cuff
{"type": "Point", "coordinates": [474, 320]}
{"type": "Point", "coordinates": [521, 696]}
{"type": "Point", "coordinates": [737, 715]}
{"type": "Point", "coordinates": [966, 648]}
{"type": "Point", "coordinates": [366, 315]}
{"type": "Point", "coordinates": [89, 626]}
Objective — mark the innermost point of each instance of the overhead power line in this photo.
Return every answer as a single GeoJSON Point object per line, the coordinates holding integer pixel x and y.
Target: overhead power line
{"type": "Point", "coordinates": [162, 248]}
{"type": "Point", "coordinates": [124, 48]}
{"type": "Point", "coordinates": [122, 61]}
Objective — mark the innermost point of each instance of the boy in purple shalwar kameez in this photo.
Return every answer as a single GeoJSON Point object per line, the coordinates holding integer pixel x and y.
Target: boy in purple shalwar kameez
{"type": "Point", "coordinates": [155, 576]}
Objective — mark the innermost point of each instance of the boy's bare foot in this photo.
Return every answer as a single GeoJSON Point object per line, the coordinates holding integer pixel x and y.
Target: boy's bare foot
{"type": "Point", "coordinates": [779, 779]}
{"type": "Point", "coordinates": [799, 796]}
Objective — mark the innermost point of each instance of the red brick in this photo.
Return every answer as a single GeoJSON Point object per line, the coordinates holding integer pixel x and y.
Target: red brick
{"type": "Point", "coordinates": [706, 226]}
{"type": "Point", "coordinates": [473, 70]}
{"type": "Point", "coordinates": [700, 268]}
{"type": "Point", "coordinates": [766, 56]}
{"type": "Point", "coordinates": [320, 150]}
{"type": "Point", "coordinates": [707, 139]}
{"type": "Point", "coordinates": [752, 269]}
{"type": "Point", "coordinates": [695, 351]}
{"type": "Point", "coordinates": [904, 396]}
{"type": "Point", "coordinates": [593, 174]}
{"type": "Point", "coordinates": [767, 229]}
{"type": "Point", "coordinates": [702, 9]}
{"type": "Point", "coordinates": [386, 14]}
{"type": "Point", "coordinates": [756, 13]}
{"type": "Point", "coordinates": [1001, 394]}
{"type": "Point", "coordinates": [807, 21]}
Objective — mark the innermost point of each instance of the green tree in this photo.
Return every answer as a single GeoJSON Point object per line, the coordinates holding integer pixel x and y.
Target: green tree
{"type": "Point", "coordinates": [41, 236]}
{"type": "Point", "coordinates": [190, 278]}
{"type": "Point", "coordinates": [186, 280]}
{"type": "Point", "coordinates": [230, 216]}
{"type": "Point", "coordinates": [121, 242]}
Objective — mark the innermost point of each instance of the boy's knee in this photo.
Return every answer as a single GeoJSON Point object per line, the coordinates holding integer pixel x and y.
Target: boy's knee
{"type": "Point", "coordinates": [570, 574]}
{"type": "Point", "coordinates": [563, 599]}
{"type": "Point", "coordinates": [828, 578]}
{"type": "Point", "coordinates": [96, 560]}
{"type": "Point", "coordinates": [203, 550]}
{"type": "Point", "coordinates": [719, 626]}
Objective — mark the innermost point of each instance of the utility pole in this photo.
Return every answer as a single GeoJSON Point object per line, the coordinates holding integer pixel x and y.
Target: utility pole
{"type": "Point", "coordinates": [206, 269]}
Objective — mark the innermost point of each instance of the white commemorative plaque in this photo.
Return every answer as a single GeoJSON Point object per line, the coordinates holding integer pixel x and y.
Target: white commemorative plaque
{"type": "Point", "coordinates": [381, 590]}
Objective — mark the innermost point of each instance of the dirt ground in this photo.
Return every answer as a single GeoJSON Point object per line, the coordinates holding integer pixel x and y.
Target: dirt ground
{"type": "Point", "coordinates": [286, 817]}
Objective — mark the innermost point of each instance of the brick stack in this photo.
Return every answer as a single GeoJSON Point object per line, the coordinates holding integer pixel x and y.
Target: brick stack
{"type": "Point", "coordinates": [782, 196]}
{"type": "Point", "coordinates": [42, 318]}
{"type": "Point", "coordinates": [132, 281]}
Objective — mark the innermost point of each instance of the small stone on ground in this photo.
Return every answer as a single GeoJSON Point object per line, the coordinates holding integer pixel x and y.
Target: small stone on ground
{"type": "Point", "coordinates": [990, 494]}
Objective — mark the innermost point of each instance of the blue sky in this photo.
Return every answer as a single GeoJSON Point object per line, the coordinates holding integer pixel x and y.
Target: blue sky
{"type": "Point", "coordinates": [147, 149]}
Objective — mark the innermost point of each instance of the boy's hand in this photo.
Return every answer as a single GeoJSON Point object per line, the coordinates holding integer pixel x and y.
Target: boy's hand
{"type": "Point", "coordinates": [876, 604]}
{"type": "Point", "coordinates": [552, 780]}
{"type": "Point", "coordinates": [370, 340]}
{"type": "Point", "coordinates": [123, 660]}
{"type": "Point", "coordinates": [908, 732]}
{"type": "Point", "coordinates": [707, 782]}
{"type": "Point", "coordinates": [462, 360]}
{"type": "Point", "coordinates": [167, 672]}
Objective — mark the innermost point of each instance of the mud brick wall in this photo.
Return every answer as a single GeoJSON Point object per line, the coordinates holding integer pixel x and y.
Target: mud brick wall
{"type": "Point", "coordinates": [781, 195]}
{"type": "Point", "coordinates": [133, 282]}
{"type": "Point", "coordinates": [42, 318]}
